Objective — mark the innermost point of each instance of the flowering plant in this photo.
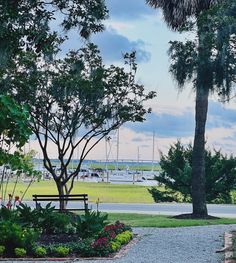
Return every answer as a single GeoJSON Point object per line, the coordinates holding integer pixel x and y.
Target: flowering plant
{"type": "Point", "coordinates": [116, 228]}
{"type": "Point", "coordinates": [102, 246]}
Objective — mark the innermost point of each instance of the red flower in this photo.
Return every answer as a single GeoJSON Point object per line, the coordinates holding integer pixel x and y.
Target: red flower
{"type": "Point", "coordinates": [9, 205]}
{"type": "Point", "coordinates": [17, 198]}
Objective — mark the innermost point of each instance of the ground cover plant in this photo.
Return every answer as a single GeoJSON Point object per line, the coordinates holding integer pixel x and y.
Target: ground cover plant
{"type": "Point", "coordinates": [45, 232]}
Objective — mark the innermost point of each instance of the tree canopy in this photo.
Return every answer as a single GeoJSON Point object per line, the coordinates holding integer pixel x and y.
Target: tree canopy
{"type": "Point", "coordinates": [27, 24]}
{"type": "Point", "coordinates": [14, 131]}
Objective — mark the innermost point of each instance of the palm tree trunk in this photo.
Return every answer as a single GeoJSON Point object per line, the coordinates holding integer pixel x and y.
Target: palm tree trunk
{"type": "Point", "coordinates": [198, 157]}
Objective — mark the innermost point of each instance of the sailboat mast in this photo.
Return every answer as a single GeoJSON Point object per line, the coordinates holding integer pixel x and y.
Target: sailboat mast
{"type": "Point", "coordinates": [153, 150]}
{"type": "Point", "coordinates": [117, 149]}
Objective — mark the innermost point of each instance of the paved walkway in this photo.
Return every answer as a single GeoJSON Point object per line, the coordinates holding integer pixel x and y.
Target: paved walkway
{"type": "Point", "coordinates": [174, 245]}
{"type": "Point", "coordinates": [220, 210]}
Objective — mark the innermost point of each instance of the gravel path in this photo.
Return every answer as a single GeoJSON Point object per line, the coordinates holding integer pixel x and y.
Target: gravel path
{"type": "Point", "coordinates": [175, 245]}
{"type": "Point", "coordinates": [171, 245]}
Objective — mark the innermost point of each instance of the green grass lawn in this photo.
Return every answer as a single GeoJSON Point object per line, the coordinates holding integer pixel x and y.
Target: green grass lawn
{"type": "Point", "coordinates": [107, 193]}
{"type": "Point", "coordinates": [140, 220]}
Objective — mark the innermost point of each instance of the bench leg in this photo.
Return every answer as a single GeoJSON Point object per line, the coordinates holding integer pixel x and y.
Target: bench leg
{"type": "Point", "coordinates": [86, 207]}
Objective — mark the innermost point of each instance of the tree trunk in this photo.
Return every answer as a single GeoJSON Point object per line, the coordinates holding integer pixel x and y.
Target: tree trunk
{"type": "Point", "coordinates": [60, 188]}
{"type": "Point", "coordinates": [198, 157]}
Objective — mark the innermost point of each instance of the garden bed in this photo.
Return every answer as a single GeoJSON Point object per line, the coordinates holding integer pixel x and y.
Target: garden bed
{"type": "Point", "coordinates": [45, 233]}
{"type": "Point", "coordinates": [116, 255]}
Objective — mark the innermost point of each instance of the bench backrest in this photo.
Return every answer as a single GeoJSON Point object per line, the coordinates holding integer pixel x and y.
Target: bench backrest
{"type": "Point", "coordinates": [72, 197]}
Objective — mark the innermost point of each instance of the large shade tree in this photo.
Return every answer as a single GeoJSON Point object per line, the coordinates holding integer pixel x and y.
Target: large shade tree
{"type": "Point", "coordinates": [202, 62]}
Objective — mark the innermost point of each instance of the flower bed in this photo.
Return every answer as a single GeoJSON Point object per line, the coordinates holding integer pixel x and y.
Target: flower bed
{"type": "Point", "coordinates": [43, 232]}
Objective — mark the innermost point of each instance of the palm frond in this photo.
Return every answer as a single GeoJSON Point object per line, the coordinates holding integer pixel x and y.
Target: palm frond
{"type": "Point", "coordinates": [176, 12]}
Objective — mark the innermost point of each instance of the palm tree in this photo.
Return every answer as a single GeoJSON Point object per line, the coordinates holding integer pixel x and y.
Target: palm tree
{"type": "Point", "coordinates": [176, 13]}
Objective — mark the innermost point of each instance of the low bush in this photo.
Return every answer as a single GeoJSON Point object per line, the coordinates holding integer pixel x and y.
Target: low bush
{"type": "Point", "coordinates": [91, 223]}
{"type": "Point", "coordinates": [115, 245]}
{"type": "Point", "coordinates": [2, 250]}
{"type": "Point", "coordinates": [40, 252]}
{"type": "Point", "coordinates": [61, 251]}
{"type": "Point", "coordinates": [51, 222]}
{"type": "Point", "coordinates": [26, 216]}
{"type": "Point", "coordinates": [82, 248]}
{"type": "Point", "coordinates": [13, 235]}
{"type": "Point", "coordinates": [20, 252]}
{"type": "Point", "coordinates": [101, 247]}
{"type": "Point", "coordinates": [124, 237]}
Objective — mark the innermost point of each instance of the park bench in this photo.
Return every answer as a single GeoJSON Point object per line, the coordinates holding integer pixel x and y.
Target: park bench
{"type": "Point", "coordinates": [57, 198]}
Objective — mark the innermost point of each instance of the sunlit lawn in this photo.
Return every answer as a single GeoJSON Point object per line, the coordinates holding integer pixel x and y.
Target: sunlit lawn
{"type": "Point", "coordinates": [140, 220]}
{"type": "Point", "coordinates": [107, 193]}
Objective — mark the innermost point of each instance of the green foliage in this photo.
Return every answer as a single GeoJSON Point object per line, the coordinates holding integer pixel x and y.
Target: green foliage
{"type": "Point", "coordinates": [163, 196]}
{"type": "Point", "coordinates": [40, 252]}
{"type": "Point", "coordinates": [209, 59]}
{"type": "Point", "coordinates": [61, 251]}
{"type": "Point", "coordinates": [6, 214]}
{"type": "Point", "coordinates": [13, 235]}
{"type": "Point", "coordinates": [14, 129]}
{"type": "Point", "coordinates": [101, 247]}
{"type": "Point", "coordinates": [91, 223]}
{"type": "Point", "coordinates": [176, 175]}
{"type": "Point", "coordinates": [25, 25]}
{"type": "Point", "coordinates": [20, 252]}
{"type": "Point", "coordinates": [2, 250]}
{"type": "Point", "coordinates": [115, 245]}
{"type": "Point", "coordinates": [123, 238]}
{"type": "Point", "coordinates": [51, 222]}
{"type": "Point", "coordinates": [83, 247]}
{"type": "Point", "coordinates": [26, 216]}
{"type": "Point", "coordinates": [13, 122]}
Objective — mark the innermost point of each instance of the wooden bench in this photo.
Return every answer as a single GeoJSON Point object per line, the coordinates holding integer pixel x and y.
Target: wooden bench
{"type": "Point", "coordinates": [57, 198]}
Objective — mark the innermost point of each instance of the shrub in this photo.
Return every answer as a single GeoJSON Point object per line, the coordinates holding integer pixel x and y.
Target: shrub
{"type": "Point", "coordinates": [61, 251]}
{"type": "Point", "coordinates": [26, 216]}
{"type": "Point", "coordinates": [163, 196]}
{"type": "Point", "coordinates": [2, 250]}
{"type": "Point", "coordinates": [83, 248]}
{"type": "Point", "coordinates": [175, 175]}
{"type": "Point", "coordinates": [91, 223]}
{"type": "Point", "coordinates": [51, 222]}
{"type": "Point", "coordinates": [20, 252]}
{"type": "Point", "coordinates": [13, 235]}
{"type": "Point", "coordinates": [115, 245]}
{"type": "Point", "coordinates": [102, 247]}
{"type": "Point", "coordinates": [6, 214]}
{"type": "Point", "coordinates": [124, 237]}
{"type": "Point", "coordinates": [129, 233]}
{"type": "Point", "coordinates": [40, 252]}
{"type": "Point", "coordinates": [121, 227]}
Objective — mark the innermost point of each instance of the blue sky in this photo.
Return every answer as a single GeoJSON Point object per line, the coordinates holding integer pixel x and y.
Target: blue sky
{"type": "Point", "coordinates": [135, 26]}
